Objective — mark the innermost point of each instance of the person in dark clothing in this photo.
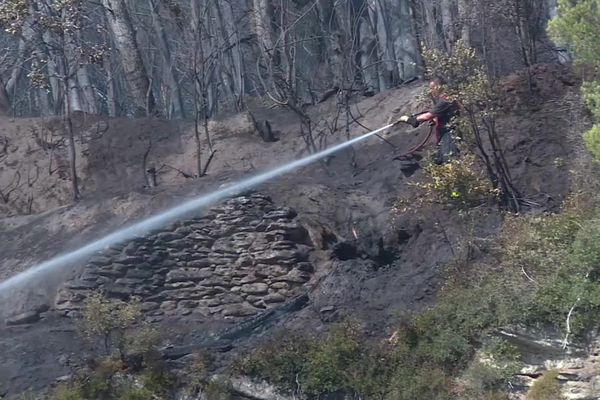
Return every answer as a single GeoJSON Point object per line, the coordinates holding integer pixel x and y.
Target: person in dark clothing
{"type": "Point", "coordinates": [441, 115]}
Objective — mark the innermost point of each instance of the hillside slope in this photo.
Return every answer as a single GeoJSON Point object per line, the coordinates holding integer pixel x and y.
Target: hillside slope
{"type": "Point", "coordinates": [369, 262]}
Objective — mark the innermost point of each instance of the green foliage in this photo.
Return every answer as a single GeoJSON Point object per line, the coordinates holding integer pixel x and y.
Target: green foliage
{"type": "Point", "coordinates": [339, 362]}
{"type": "Point", "coordinates": [546, 387]}
{"type": "Point", "coordinates": [559, 256]}
{"type": "Point", "coordinates": [68, 391]}
{"type": "Point", "coordinates": [115, 323]}
{"type": "Point", "coordinates": [472, 89]}
{"type": "Point", "coordinates": [592, 141]}
{"type": "Point", "coordinates": [546, 267]}
{"type": "Point", "coordinates": [591, 96]}
{"type": "Point", "coordinates": [463, 71]}
{"type": "Point", "coordinates": [456, 182]}
{"type": "Point", "coordinates": [109, 320]}
{"type": "Point", "coordinates": [134, 392]}
{"type": "Point", "coordinates": [578, 25]}
{"type": "Point", "coordinates": [426, 382]}
{"type": "Point", "coordinates": [279, 360]}
{"type": "Point", "coordinates": [218, 390]}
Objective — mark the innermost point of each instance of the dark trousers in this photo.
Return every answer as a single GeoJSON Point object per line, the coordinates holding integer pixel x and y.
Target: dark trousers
{"type": "Point", "coordinates": [446, 147]}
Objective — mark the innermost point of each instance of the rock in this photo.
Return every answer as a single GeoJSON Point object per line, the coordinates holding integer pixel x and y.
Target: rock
{"type": "Point", "coordinates": [183, 230]}
{"type": "Point", "coordinates": [149, 306]}
{"type": "Point", "coordinates": [140, 272]}
{"type": "Point", "coordinates": [260, 304]}
{"type": "Point", "coordinates": [294, 276]}
{"type": "Point", "coordinates": [81, 285]}
{"type": "Point", "coordinates": [273, 257]}
{"type": "Point", "coordinates": [184, 275]}
{"type": "Point", "coordinates": [130, 249]}
{"type": "Point", "coordinates": [100, 261]}
{"type": "Point", "coordinates": [306, 267]}
{"type": "Point", "coordinates": [265, 271]}
{"type": "Point", "coordinates": [282, 213]}
{"type": "Point", "coordinates": [28, 317]}
{"type": "Point", "coordinates": [168, 263]}
{"type": "Point", "coordinates": [217, 281]}
{"type": "Point", "coordinates": [168, 236]}
{"type": "Point", "coordinates": [188, 304]}
{"type": "Point", "coordinates": [179, 285]}
{"type": "Point", "coordinates": [168, 305]}
{"type": "Point", "coordinates": [129, 282]}
{"type": "Point", "coordinates": [64, 378]}
{"type": "Point", "coordinates": [249, 279]}
{"type": "Point", "coordinates": [182, 256]}
{"type": "Point", "coordinates": [73, 314]}
{"type": "Point", "coordinates": [244, 262]}
{"type": "Point", "coordinates": [292, 230]}
{"type": "Point", "coordinates": [129, 260]}
{"type": "Point", "coordinates": [63, 360]}
{"type": "Point", "coordinates": [185, 311]}
{"type": "Point", "coordinates": [118, 291]}
{"type": "Point", "coordinates": [327, 309]}
{"type": "Point", "coordinates": [258, 391]}
{"type": "Point", "coordinates": [274, 298]}
{"type": "Point", "coordinates": [115, 271]}
{"type": "Point", "coordinates": [255, 288]}
{"type": "Point", "coordinates": [202, 263]}
{"type": "Point", "coordinates": [280, 285]}
{"type": "Point", "coordinates": [238, 310]}
{"type": "Point", "coordinates": [190, 294]}
{"type": "Point", "coordinates": [156, 258]}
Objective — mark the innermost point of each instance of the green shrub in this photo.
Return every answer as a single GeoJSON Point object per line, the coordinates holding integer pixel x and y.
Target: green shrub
{"type": "Point", "coordinates": [218, 390]}
{"type": "Point", "coordinates": [546, 387]}
{"type": "Point", "coordinates": [132, 392]}
{"type": "Point", "coordinates": [108, 320]}
{"type": "Point", "coordinates": [279, 360]}
{"type": "Point", "coordinates": [330, 363]}
{"type": "Point", "coordinates": [457, 182]}
{"type": "Point", "coordinates": [426, 382]}
{"type": "Point", "coordinates": [592, 141]}
{"type": "Point", "coordinates": [67, 391]}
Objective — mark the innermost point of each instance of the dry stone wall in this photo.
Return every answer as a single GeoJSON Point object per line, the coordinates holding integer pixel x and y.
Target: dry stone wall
{"type": "Point", "coordinates": [239, 258]}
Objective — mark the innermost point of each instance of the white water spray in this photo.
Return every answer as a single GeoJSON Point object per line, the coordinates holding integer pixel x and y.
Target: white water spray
{"type": "Point", "coordinates": [172, 214]}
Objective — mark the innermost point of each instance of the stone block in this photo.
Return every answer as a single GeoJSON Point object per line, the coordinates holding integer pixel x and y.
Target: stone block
{"type": "Point", "coordinates": [81, 285]}
{"type": "Point", "coordinates": [179, 285]}
{"type": "Point", "coordinates": [168, 237]}
{"type": "Point", "coordinates": [139, 273]}
{"type": "Point", "coordinates": [149, 306]}
{"type": "Point", "coordinates": [118, 291]}
{"type": "Point", "coordinates": [274, 298]}
{"type": "Point", "coordinates": [249, 279]}
{"type": "Point", "coordinates": [199, 263]}
{"type": "Point", "coordinates": [168, 305]}
{"type": "Point", "coordinates": [266, 271]}
{"type": "Point", "coordinates": [186, 275]}
{"type": "Point", "coordinates": [100, 261]}
{"type": "Point", "coordinates": [255, 288]}
{"type": "Point", "coordinates": [238, 310]}
{"type": "Point", "coordinates": [129, 282]}
{"type": "Point", "coordinates": [281, 213]}
{"type": "Point", "coordinates": [188, 304]}
{"type": "Point", "coordinates": [28, 317]}
{"type": "Point", "coordinates": [280, 285]}
{"type": "Point", "coordinates": [294, 276]}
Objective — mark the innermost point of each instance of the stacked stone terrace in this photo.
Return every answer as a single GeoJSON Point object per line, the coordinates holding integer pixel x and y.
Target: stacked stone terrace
{"type": "Point", "coordinates": [239, 258]}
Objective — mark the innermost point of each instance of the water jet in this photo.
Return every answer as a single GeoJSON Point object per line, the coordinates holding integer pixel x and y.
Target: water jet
{"type": "Point", "coordinates": [143, 227]}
